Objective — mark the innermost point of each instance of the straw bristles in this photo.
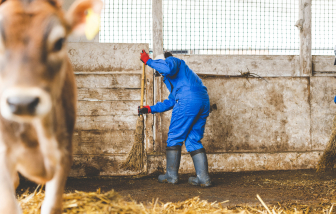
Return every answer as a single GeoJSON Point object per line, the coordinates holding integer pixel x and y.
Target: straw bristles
{"type": "Point", "coordinates": [111, 202]}
{"type": "Point", "coordinates": [135, 157]}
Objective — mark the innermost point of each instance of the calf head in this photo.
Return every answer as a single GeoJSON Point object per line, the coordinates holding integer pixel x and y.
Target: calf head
{"type": "Point", "coordinates": [33, 54]}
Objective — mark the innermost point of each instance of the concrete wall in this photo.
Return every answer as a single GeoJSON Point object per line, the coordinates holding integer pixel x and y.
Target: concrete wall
{"type": "Point", "coordinates": [280, 124]}
{"type": "Point", "coordinates": [283, 123]}
{"type": "Point", "coordinates": [108, 81]}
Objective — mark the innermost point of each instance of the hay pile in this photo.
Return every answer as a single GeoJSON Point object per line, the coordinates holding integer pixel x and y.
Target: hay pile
{"type": "Point", "coordinates": [111, 202]}
{"type": "Point", "coordinates": [81, 202]}
{"type": "Point", "coordinates": [327, 160]}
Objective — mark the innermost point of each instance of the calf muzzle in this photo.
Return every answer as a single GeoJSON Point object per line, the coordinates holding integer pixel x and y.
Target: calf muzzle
{"type": "Point", "coordinates": [23, 105]}
{"type": "Point", "coordinates": [20, 104]}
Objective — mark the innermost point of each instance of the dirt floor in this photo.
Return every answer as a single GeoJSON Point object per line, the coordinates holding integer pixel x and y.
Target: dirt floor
{"type": "Point", "coordinates": [284, 188]}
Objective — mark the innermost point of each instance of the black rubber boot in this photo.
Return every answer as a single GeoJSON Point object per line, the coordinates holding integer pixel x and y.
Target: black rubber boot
{"type": "Point", "coordinates": [201, 166]}
{"type": "Point", "coordinates": [173, 157]}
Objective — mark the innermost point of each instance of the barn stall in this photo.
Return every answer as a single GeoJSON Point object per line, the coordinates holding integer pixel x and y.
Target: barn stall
{"type": "Point", "coordinates": [281, 122]}
{"type": "Point", "coordinates": [256, 127]}
{"type": "Point", "coordinates": [259, 127]}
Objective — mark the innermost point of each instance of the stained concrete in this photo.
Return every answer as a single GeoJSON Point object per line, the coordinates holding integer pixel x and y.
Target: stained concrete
{"type": "Point", "coordinates": [258, 116]}
{"type": "Point", "coordinates": [324, 64]}
{"type": "Point", "coordinates": [323, 110]}
{"type": "Point", "coordinates": [266, 66]}
{"type": "Point", "coordinates": [235, 162]}
{"type": "Point", "coordinates": [280, 124]}
{"type": "Point", "coordinates": [108, 78]}
{"type": "Point", "coordinates": [106, 57]}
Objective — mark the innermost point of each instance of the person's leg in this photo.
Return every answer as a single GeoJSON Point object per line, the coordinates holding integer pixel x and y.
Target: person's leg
{"type": "Point", "coordinates": [201, 167]}
{"type": "Point", "coordinates": [173, 157]}
{"type": "Point", "coordinates": [178, 130]}
{"type": "Point", "coordinates": [196, 130]}
{"type": "Point", "coordinates": [197, 152]}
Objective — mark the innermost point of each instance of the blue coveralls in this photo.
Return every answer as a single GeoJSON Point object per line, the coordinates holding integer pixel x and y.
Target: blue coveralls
{"type": "Point", "coordinates": [189, 100]}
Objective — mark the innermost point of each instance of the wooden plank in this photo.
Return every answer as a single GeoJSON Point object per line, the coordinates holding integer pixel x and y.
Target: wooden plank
{"type": "Point", "coordinates": [108, 80]}
{"type": "Point", "coordinates": [107, 108]}
{"type": "Point", "coordinates": [118, 122]}
{"type": "Point", "coordinates": [92, 57]}
{"type": "Point", "coordinates": [236, 162]}
{"type": "Point", "coordinates": [230, 65]}
{"type": "Point", "coordinates": [96, 142]}
{"type": "Point", "coordinates": [93, 94]}
{"type": "Point", "coordinates": [305, 14]}
{"type": "Point", "coordinates": [324, 64]}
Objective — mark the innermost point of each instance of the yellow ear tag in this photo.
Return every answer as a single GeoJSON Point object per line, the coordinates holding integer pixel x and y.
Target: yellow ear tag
{"type": "Point", "coordinates": [92, 24]}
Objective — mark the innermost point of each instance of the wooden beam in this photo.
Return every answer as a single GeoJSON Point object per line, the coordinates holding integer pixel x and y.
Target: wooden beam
{"type": "Point", "coordinates": [157, 27]}
{"type": "Point", "coordinates": [157, 50]}
{"type": "Point", "coordinates": [149, 120]}
{"type": "Point", "coordinates": [304, 25]}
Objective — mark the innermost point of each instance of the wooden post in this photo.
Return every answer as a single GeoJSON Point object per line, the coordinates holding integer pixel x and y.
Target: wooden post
{"type": "Point", "coordinates": [157, 50]}
{"type": "Point", "coordinates": [149, 122]}
{"type": "Point", "coordinates": [157, 27]}
{"type": "Point", "coordinates": [304, 25]}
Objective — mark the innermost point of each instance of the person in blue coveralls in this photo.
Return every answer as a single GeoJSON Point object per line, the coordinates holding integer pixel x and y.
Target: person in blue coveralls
{"type": "Point", "coordinates": [189, 100]}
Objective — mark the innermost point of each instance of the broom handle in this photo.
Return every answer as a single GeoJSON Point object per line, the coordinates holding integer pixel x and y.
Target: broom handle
{"type": "Point", "coordinates": [142, 85]}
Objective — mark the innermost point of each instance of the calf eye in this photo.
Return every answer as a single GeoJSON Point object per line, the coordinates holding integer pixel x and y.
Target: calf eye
{"type": "Point", "coordinates": [58, 45]}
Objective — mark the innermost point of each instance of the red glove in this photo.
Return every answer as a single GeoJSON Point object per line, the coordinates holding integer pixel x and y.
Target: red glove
{"type": "Point", "coordinates": [144, 110]}
{"type": "Point", "coordinates": [144, 57]}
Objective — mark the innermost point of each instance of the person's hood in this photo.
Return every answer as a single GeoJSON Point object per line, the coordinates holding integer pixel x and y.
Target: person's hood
{"type": "Point", "coordinates": [176, 67]}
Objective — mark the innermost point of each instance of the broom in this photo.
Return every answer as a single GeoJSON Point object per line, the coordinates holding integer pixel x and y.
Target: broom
{"type": "Point", "coordinates": [135, 157]}
{"type": "Point", "coordinates": [328, 158]}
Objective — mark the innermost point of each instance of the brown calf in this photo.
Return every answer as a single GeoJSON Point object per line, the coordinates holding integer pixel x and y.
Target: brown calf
{"type": "Point", "coordinates": [37, 96]}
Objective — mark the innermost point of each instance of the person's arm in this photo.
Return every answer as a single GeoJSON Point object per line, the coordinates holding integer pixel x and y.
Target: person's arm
{"type": "Point", "coordinates": [165, 67]}
{"type": "Point", "coordinates": [166, 105]}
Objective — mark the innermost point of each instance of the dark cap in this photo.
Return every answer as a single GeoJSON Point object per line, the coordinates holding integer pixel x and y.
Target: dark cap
{"type": "Point", "coordinates": [167, 54]}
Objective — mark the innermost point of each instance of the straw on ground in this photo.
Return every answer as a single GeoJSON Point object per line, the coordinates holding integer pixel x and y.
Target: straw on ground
{"type": "Point", "coordinates": [112, 202]}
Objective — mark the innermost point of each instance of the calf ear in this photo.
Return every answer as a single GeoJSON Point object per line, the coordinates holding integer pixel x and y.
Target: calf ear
{"type": "Point", "coordinates": [77, 13]}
